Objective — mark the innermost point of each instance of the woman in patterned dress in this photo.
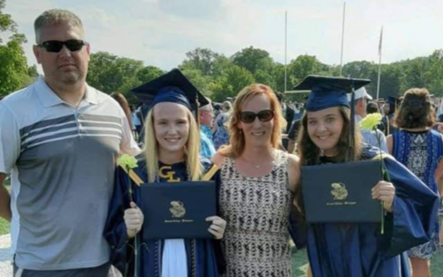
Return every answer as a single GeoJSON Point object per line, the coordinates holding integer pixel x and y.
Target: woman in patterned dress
{"type": "Point", "coordinates": [258, 182]}
{"type": "Point", "coordinates": [420, 149]}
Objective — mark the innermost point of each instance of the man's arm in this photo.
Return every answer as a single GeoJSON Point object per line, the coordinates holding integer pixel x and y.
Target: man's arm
{"type": "Point", "coordinates": [5, 200]}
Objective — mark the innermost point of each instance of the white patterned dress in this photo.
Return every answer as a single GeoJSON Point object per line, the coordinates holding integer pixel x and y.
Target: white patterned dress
{"type": "Point", "coordinates": [256, 210]}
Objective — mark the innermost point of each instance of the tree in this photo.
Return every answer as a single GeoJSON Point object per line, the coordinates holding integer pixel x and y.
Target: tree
{"type": "Point", "coordinates": [202, 59]}
{"type": "Point", "coordinates": [253, 59]}
{"type": "Point", "coordinates": [229, 85]}
{"type": "Point", "coordinates": [13, 64]}
{"type": "Point", "coordinates": [200, 81]}
{"type": "Point", "coordinates": [303, 66]}
{"type": "Point", "coordinates": [392, 76]}
{"type": "Point", "coordinates": [436, 73]}
{"type": "Point", "coordinates": [149, 73]}
{"type": "Point", "coordinates": [110, 73]}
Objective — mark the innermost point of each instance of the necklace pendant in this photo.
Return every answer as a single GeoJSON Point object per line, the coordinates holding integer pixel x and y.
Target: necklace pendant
{"type": "Point", "coordinates": [257, 166]}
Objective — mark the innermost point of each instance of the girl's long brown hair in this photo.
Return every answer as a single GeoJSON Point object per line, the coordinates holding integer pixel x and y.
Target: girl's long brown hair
{"type": "Point", "coordinates": [309, 152]}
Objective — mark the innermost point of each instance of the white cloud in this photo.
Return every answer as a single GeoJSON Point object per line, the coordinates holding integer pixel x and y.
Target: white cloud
{"type": "Point", "coordinates": [161, 32]}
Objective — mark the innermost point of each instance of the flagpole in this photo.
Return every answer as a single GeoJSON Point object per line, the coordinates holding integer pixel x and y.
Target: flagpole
{"type": "Point", "coordinates": [342, 38]}
{"type": "Point", "coordinates": [286, 47]}
{"type": "Point", "coordinates": [379, 63]}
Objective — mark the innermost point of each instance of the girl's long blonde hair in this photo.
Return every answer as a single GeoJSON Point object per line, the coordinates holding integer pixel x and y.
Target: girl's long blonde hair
{"type": "Point", "coordinates": [192, 149]}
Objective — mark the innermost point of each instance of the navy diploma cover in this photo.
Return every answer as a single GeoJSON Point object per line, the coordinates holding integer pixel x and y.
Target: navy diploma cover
{"type": "Point", "coordinates": [177, 210]}
{"type": "Point", "coordinates": [341, 192]}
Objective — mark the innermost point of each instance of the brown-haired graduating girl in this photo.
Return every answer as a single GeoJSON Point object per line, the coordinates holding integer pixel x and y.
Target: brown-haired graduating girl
{"type": "Point", "coordinates": [359, 249]}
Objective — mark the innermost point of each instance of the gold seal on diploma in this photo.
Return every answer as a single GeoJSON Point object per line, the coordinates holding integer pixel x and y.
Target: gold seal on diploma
{"type": "Point", "coordinates": [339, 191]}
{"type": "Point", "coordinates": [177, 209]}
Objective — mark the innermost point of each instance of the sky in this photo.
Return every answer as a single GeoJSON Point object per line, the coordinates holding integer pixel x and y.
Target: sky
{"type": "Point", "coordinates": [160, 32]}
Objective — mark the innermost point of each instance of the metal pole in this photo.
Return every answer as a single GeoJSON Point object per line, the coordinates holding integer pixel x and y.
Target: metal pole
{"type": "Point", "coordinates": [286, 48]}
{"type": "Point", "coordinates": [379, 62]}
{"type": "Point", "coordinates": [379, 74]}
{"type": "Point", "coordinates": [342, 38]}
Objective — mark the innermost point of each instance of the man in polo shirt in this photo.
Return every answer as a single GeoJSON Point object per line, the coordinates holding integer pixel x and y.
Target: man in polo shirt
{"type": "Point", "coordinates": [59, 139]}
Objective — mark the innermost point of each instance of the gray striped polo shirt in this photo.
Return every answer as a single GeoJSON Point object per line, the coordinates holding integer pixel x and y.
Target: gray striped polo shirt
{"type": "Point", "coordinates": [61, 160]}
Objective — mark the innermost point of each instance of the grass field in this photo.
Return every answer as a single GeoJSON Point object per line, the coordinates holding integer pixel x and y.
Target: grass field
{"type": "Point", "coordinates": [299, 264]}
{"type": "Point", "coordinates": [4, 225]}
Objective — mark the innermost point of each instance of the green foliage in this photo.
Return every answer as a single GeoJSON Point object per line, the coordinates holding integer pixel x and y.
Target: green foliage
{"type": "Point", "coordinates": [253, 59]}
{"type": "Point", "coordinates": [198, 79]}
{"type": "Point", "coordinates": [13, 64]}
{"type": "Point", "coordinates": [110, 73]}
{"type": "Point", "coordinates": [230, 83]}
{"type": "Point", "coordinates": [303, 66]}
{"type": "Point", "coordinates": [201, 59]}
{"type": "Point", "coordinates": [148, 73]}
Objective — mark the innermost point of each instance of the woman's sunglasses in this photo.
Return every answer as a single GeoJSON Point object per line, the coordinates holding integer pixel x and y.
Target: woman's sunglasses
{"type": "Point", "coordinates": [263, 116]}
{"type": "Point", "coordinates": [55, 45]}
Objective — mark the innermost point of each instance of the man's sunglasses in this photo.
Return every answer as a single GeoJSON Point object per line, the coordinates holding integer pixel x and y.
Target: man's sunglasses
{"type": "Point", "coordinates": [263, 116]}
{"type": "Point", "coordinates": [55, 45]}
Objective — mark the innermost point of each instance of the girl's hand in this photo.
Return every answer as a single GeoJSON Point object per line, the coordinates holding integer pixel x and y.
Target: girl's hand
{"type": "Point", "coordinates": [384, 191]}
{"type": "Point", "coordinates": [217, 227]}
{"type": "Point", "coordinates": [133, 220]}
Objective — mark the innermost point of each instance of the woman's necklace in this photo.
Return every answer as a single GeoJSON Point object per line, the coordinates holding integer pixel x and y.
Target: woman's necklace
{"type": "Point", "coordinates": [257, 166]}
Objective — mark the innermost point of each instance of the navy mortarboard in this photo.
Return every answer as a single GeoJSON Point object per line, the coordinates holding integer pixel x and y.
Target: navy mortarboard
{"type": "Point", "coordinates": [328, 92]}
{"type": "Point", "coordinates": [393, 100]}
{"type": "Point", "coordinates": [171, 87]}
{"type": "Point", "coordinates": [393, 103]}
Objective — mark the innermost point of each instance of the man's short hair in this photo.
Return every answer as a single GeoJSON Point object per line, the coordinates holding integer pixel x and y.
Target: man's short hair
{"type": "Point", "coordinates": [55, 17]}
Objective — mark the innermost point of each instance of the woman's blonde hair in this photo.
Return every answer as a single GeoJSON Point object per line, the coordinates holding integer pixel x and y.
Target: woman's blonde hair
{"type": "Point", "coordinates": [237, 139]}
{"type": "Point", "coordinates": [192, 149]}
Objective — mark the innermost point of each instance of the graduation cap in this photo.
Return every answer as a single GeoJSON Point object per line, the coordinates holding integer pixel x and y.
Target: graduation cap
{"type": "Point", "coordinates": [328, 92]}
{"type": "Point", "coordinates": [393, 100]}
{"type": "Point", "coordinates": [393, 103]}
{"type": "Point", "coordinates": [171, 87]}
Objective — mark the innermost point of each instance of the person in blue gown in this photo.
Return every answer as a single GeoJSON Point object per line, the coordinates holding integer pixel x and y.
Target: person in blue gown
{"type": "Point", "coordinates": [171, 155]}
{"type": "Point", "coordinates": [360, 249]}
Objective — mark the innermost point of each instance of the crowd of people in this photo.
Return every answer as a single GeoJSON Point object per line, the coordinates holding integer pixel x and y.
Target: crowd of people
{"type": "Point", "coordinates": [75, 213]}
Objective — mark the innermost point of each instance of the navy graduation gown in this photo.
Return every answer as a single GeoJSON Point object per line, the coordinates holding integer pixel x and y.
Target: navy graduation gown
{"type": "Point", "coordinates": [201, 256]}
{"type": "Point", "coordinates": [359, 250]}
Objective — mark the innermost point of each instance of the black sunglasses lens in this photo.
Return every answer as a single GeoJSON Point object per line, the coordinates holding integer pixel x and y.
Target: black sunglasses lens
{"type": "Point", "coordinates": [74, 45]}
{"type": "Point", "coordinates": [53, 45]}
{"type": "Point", "coordinates": [247, 117]}
{"type": "Point", "coordinates": [265, 116]}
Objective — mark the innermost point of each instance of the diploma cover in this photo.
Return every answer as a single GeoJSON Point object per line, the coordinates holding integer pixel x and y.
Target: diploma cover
{"type": "Point", "coordinates": [341, 192]}
{"type": "Point", "coordinates": [177, 210]}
